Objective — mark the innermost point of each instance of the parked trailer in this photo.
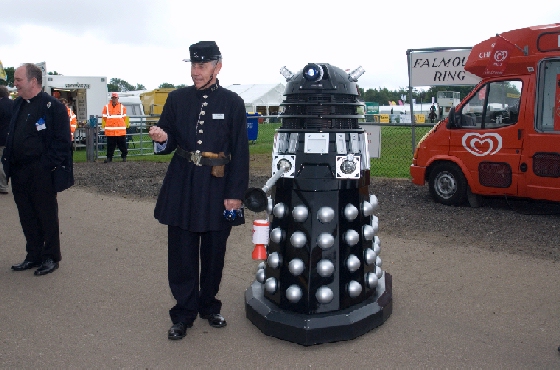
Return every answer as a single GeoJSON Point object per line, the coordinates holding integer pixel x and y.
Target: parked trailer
{"type": "Point", "coordinates": [86, 94]}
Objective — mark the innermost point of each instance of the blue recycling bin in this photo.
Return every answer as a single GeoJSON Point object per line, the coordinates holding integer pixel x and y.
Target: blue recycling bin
{"type": "Point", "coordinates": [252, 126]}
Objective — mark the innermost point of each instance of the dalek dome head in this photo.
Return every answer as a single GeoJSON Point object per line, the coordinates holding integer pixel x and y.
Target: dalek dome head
{"type": "Point", "coordinates": [321, 97]}
{"type": "Point", "coordinates": [322, 76]}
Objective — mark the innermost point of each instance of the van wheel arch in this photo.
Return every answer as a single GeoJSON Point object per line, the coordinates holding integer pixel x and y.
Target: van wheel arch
{"type": "Point", "coordinates": [447, 183]}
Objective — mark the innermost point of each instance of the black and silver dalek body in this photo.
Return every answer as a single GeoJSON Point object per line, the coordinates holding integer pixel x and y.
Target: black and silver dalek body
{"type": "Point", "coordinates": [322, 280]}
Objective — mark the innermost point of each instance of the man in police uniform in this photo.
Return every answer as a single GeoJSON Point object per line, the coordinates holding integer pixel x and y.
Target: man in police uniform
{"type": "Point", "coordinates": [206, 126]}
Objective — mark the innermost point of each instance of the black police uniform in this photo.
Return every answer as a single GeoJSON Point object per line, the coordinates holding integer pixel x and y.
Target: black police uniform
{"type": "Point", "coordinates": [191, 200]}
{"type": "Point", "coordinates": [38, 141]}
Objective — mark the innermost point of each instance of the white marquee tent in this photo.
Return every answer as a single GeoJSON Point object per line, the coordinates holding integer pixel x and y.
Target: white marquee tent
{"type": "Point", "coordinates": [262, 98]}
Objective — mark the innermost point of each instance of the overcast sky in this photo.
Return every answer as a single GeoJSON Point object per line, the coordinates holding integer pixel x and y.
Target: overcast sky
{"type": "Point", "coordinates": [143, 41]}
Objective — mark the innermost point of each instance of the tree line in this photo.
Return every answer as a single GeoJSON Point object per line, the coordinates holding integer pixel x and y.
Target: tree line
{"type": "Point", "coordinates": [115, 84]}
{"type": "Point", "coordinates": [380, 95]}
{"type": "Point", "coordinates": [119, 85]}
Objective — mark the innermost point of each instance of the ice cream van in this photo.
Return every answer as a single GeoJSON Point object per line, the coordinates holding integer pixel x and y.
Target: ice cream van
{"type": "Point", "coordinates": [504, 137]}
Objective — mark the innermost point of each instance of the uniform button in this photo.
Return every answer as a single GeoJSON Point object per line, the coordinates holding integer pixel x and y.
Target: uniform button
{"type": "Point", "coordinates": [205, 104]}
{"type": "Point", "coordinates": [202, 113]}
{"type": "Point", "coordinates": [205, 96]}
{"type": "Point", "coordinates": [201, 122]}
{"type": "Point", "coordinates": [200, 131]}
{"type": "Point", "coordinates": [199, 142]}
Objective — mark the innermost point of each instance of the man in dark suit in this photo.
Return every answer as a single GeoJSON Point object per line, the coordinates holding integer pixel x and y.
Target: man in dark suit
{"type": "Point", "coordinates": [6, 105]}
{"type": "Point", "coordinates": [206, 126]}
{"type": "Point", "coordinates": [38, 142]}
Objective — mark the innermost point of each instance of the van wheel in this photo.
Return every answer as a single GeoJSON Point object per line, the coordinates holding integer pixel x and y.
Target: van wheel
{"type": "Point", "coordinates": [447, 184]}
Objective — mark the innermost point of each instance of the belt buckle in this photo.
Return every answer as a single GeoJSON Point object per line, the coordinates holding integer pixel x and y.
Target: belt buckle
{"type": "Point", "coordinates": [196, 157]}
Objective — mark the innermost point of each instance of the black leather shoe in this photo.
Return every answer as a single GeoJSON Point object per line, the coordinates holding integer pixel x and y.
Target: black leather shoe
{"type": "Point", "coordinates": [47, 267]}
{"type": "Point", "coordinates": [108, 160]}
{"type": "Point", "coordinates": [178, 331]}
{"type": "Point", "coordinates": [215, 320]}
{"type": "Point", "coordinates": [25, 265]}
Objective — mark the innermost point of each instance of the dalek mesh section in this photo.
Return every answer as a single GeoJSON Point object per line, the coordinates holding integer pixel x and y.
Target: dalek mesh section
{"type": "Point", "coordinates": [322, 106]}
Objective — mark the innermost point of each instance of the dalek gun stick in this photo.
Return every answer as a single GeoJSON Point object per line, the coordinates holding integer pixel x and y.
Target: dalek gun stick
{"type": "Point", "coordinates": [322, 278]}
{"type": "Point", "coordinates": [255, 199]}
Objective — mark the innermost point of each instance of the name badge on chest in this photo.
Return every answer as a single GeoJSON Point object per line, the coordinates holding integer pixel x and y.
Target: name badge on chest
{"type": "Point", "coordinates": [217, 116]}
{"type": "Point", "coordinates": [40, 124]}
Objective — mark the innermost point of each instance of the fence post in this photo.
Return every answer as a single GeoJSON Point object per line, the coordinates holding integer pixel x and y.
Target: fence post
{"type": "Point", "coordinates": [91, 135]}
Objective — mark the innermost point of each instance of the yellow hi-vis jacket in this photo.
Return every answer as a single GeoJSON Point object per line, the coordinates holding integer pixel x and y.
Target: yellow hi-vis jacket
{"type": "Point", "coordinates": [73, 122]}
{"type": "Point", "coordinates": [115, 121]}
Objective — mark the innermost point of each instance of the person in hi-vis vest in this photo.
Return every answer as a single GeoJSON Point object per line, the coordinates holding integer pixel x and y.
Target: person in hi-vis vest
{"type": "Point", "coordinates": [115, 123]}
{"type": "Point", "coordinates": [72, 116]}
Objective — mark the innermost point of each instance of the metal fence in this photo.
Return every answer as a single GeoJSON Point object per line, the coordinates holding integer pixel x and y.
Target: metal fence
{"type": "Point", "coordinates": [94, 141]}
{"type": "Point", "coordinates": [398, 141]}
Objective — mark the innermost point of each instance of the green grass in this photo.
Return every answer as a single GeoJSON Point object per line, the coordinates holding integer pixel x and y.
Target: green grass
{"type": "Point", "coordinates": [265, 139]}
{"type": "Point", "coordinates": [396, 149]}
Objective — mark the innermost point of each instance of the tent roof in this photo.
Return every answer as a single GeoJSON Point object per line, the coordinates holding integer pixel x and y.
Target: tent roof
{"type": "Point", "coordinates": [260, 94]}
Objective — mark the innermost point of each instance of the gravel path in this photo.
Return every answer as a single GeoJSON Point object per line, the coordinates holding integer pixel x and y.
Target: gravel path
{"type": "Point", "coordinates": [406, 210]}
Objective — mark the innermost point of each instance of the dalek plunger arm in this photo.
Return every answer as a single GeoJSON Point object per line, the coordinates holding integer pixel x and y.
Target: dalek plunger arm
{"type": "Point", "coordinates": [255, 199]}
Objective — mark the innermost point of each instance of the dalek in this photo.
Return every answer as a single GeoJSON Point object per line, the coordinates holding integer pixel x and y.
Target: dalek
{"type": "Point", "coordinates": [322, 279]}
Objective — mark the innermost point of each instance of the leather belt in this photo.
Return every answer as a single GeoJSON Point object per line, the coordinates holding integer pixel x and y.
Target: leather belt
{"type": "Point", "coordinates": [199, 158]}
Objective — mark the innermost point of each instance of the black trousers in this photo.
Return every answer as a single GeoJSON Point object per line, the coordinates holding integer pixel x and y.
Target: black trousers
{"type": "Point", "coordinates": [113, 142]}
{"type": "Point", "coordinates": [38, 211]}
{"type": "Point", "coordinates": [195, 294]}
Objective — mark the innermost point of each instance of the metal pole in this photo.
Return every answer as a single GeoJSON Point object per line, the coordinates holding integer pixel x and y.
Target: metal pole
{"type": "Point", "coordinates": [412, 118]}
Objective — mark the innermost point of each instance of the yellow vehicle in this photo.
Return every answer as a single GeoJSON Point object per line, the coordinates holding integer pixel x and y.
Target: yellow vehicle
{"type": "Point", "coordinates": [154, 100]}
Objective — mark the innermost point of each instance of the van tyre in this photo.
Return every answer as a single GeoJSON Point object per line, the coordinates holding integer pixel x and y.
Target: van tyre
{"type": "Point", "coordinates": [448, 184]}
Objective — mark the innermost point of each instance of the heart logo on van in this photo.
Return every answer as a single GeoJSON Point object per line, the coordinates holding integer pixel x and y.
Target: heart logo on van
{"type": "Point", "coordinates": [482, 145]}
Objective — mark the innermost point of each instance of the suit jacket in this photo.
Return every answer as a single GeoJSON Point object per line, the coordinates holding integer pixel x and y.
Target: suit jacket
{"type": "Point", "coordinates": [6, 106]}
{"type": "Point", "coordinates": [56, 137]}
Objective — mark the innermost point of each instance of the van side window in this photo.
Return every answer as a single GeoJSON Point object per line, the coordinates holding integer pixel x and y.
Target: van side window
{"type": "Point", "coordinates": [494, 105]}
{"type": "Point", "coordinates": [472, 111]}
{"type": "Point", "coordinates": [548, 109]}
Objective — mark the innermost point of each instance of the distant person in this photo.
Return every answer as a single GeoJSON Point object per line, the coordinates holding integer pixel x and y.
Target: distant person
{"type": "Point", "coordinates": [432, 115]}
{"type": "Point", "coordinates": [200, 198]}
{"type": "Point", "coordinates": [73, 120]}
{"type": "Point", "coordinates": [72, 116]}
{"type": "Point", "coordinates": [38, 144]}
{"type": "Point", "coordinates": [115, 123]}
{"type": "Point", "coordinates": [6, 105]}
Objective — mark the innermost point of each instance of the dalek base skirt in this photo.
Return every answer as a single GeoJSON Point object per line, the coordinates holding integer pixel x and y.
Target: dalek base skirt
{"type": "Point", "coordinates": [322, 280]}
{"type": "Point", "coordinates": [319, 328]}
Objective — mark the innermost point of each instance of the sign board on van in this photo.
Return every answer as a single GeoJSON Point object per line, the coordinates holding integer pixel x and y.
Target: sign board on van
{"type": "Point", "coordinates": [438, 68]}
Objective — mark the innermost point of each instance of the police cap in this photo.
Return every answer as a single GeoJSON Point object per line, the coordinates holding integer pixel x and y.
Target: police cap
{"type": "Point", "coordinates": [203, 51]}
